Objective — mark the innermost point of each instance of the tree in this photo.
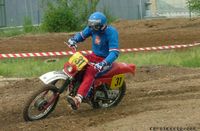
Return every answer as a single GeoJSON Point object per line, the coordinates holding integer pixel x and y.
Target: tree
{"type": "Point", "coordinates": [194, 5]}
{"type": "Point", "coordinates": [67, 15]}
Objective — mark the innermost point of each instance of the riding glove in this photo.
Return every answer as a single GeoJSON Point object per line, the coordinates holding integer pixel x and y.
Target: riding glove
{"type": "Point", "coordinates": [72, 42]}
{"type": "Point", "coordinates": [100, 66]}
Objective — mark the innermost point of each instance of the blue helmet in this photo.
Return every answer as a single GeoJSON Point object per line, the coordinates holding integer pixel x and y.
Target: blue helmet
{"type": "Point", "coordinates": [97, 21]}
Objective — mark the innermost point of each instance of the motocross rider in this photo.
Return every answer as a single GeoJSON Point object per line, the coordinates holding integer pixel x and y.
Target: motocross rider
{"type": "Point", "coordinates": [105, 48]}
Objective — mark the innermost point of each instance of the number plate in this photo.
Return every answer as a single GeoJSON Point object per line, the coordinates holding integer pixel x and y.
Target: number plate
{"type": "Point", "coordinates": [79, 60]}
{"type": "Point", "coordinates": [117, 81]}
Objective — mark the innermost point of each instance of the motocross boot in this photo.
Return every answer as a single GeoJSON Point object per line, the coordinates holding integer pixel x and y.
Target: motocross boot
{"type": "Point", "coordinates": [74, 101]}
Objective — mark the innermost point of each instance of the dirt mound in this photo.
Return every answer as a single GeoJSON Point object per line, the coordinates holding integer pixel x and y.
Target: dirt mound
{"type": "Point", "coordinates": [131, 34]}
{"type": "Point", "coordinates": [156, 24]}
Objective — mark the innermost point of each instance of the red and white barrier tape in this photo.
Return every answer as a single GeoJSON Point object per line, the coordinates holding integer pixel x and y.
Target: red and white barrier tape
{"type": "Point", "coordinates": [66, 53]}
{"type": "Point", "coordinates": [168, 47]}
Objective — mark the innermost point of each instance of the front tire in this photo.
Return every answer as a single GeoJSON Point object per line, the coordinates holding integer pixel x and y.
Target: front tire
{"type": "Point", "coordinates": [41, 104]}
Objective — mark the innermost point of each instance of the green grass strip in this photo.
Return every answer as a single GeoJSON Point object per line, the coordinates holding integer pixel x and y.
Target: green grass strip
{"type": "Point", "coordinates": [35, 67]}
{"type": "Point", "coordinates": [183, 58]}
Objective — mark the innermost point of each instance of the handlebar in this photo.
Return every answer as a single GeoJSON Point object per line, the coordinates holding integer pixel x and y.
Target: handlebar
{"type": "Point", "coordinates": [73, 48]}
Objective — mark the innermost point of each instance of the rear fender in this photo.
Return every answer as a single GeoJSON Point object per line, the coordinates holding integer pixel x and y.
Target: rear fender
{"type": "Point", "coordinates": [117, 68]}
{"type": "Point", "coordinates": [120, 68]}
{"type": "Point", "coordinates": [49, 77]}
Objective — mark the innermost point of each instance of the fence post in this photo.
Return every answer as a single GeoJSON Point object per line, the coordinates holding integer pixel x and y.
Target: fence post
{"type": "Point", "coordinates": [190, 12]}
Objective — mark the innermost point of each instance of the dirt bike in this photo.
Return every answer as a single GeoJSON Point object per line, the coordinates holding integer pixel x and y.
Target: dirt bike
{"type": "Point", "coordinates": [106, 91]}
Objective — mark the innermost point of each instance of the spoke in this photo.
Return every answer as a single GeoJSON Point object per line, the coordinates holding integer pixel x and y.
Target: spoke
{"type": "Point", "coordinates": [51, 101]}
{"type": "Point", "coordinates": [50, 97]}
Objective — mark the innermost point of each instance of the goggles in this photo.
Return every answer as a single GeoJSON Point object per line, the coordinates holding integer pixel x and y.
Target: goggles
{"type": "Point", "coordinates": [94, 24]}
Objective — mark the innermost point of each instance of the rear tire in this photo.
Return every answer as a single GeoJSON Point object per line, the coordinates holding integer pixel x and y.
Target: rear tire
{"type": "Point", "coordinates": [113, 103]}
{"type": "Point", "coordinates": [41, 104]}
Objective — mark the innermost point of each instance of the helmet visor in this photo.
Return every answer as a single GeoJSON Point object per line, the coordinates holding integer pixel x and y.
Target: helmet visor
{"type": "Point", "coordinates": [94, 24]}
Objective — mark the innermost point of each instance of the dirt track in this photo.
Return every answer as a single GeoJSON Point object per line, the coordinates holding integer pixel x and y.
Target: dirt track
{"type": "Point", "coordinates": [157, 96]}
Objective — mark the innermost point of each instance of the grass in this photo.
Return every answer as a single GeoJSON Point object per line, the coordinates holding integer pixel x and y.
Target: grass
{"type": "Point", "coordinates": [16, 31]}
{"type": "Point", "coordinates": [10, 32]}
{"type": "Point", "coordinates": [35, 67]}
{"type": "Point", "coordinates": [27, 67]}
{"type": "Point", "coordinates": [21, 30]}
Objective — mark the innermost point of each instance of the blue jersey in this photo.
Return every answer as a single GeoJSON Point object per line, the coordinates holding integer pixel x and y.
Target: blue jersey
{"type": "Point", "coordinates": [104, 43]}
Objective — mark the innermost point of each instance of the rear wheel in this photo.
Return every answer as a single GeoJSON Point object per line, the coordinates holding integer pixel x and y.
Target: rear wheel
{"type": "Point", "coordinates": [41, 104]}
{"type": "Point", "coordinates": [113, 97]}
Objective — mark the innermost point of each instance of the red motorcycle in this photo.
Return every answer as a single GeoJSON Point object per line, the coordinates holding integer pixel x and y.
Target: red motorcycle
{"type": "Point", "coordinates": [106, 91]}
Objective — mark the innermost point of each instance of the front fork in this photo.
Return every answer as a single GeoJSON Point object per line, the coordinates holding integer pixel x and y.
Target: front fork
{"type": "Point", "coordinates": [43, 106]}
{"type": "Point", "coordinates": [73, 87]}
{"type": "Point", "coordinates": [64, 86]}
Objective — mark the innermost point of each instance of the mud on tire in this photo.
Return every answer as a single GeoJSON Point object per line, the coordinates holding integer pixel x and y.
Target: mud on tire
{"type": "Point", "coordinates": [52, 106]}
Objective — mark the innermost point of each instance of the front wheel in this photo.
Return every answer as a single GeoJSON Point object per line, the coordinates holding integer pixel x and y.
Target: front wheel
{"type": "Point", "coordinates": [113, 97]}
{"type": "Point", "coordinates": [41, 104]}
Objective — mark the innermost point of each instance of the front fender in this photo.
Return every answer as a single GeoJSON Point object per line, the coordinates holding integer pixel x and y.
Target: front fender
{"type": "Point", "coordinates": [49, 77]}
